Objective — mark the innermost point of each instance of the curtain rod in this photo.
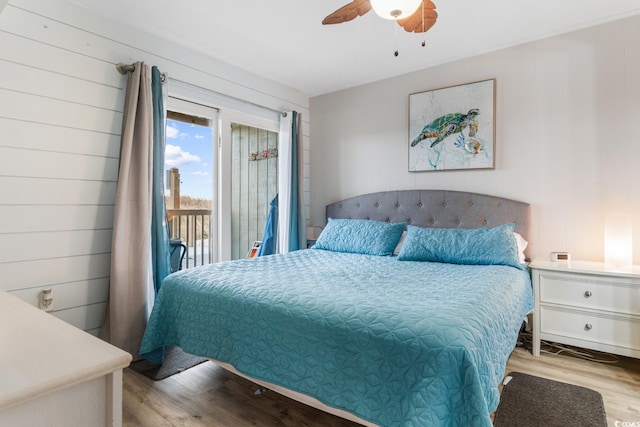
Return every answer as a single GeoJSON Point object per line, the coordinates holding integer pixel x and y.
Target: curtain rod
{"type": "Point", "coordinates": [126, 68]}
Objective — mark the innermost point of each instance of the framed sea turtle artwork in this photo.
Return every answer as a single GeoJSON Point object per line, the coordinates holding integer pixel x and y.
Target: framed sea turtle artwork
{"type": "Point", "coordinates": [453, 128]}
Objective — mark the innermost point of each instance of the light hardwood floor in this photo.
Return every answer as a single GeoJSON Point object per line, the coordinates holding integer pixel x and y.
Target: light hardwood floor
{"type": "Point", "coordinates": [208, 395]}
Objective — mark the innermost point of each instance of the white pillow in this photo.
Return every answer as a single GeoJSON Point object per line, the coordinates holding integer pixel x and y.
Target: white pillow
{"type": "Point", "coordinates": [522, 245]}
{"type": "Point", "coordinates": [396, 251]}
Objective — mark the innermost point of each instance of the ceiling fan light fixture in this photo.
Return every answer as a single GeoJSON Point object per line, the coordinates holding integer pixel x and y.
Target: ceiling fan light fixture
{"type": "Point", "coordinates": [394, 9]}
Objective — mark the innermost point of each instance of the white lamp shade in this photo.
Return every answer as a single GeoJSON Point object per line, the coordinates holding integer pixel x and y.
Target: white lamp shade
{"type": "Point", "coordinates": [395, 9]}
{"type": "Point", "coordinates": [618, 243]}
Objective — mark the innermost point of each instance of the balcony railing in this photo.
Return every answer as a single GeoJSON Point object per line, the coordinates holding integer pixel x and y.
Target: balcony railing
{"type": "Point", "coordinates": [191, 226]}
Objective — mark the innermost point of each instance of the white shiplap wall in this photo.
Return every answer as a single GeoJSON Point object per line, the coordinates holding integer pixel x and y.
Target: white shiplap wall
{"type": "Point", "coordinates": [60, 119]}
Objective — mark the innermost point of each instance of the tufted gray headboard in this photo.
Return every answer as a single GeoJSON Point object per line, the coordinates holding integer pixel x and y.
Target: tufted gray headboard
{"type": "Point", "coordinates": [435, 208]}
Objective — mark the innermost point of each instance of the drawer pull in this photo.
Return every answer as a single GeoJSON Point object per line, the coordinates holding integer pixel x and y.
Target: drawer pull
{"type": "Point", "coordinates": [587, 294]}
{"type": "Point", "coordinates": [588, 327]}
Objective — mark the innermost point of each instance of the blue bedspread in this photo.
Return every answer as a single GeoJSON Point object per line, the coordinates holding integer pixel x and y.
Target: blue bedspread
{"type": "Point", "coordinates": [398, 343]}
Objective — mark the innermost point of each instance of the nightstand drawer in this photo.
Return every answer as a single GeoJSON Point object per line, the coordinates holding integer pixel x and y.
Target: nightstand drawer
{"type": "Point", "coordinates": [602, 293]}
{"type": "Point", "coordinates": [591, 327]}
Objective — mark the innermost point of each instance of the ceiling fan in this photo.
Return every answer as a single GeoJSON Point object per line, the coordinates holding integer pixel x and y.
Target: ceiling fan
{"type": "Point", "coordinates": [415, 16]}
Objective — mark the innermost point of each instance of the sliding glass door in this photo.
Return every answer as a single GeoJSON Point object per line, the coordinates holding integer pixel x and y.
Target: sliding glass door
{"type": "Point", "coordinates": [254, 183]}
{"type": "Point", "coordinates": [249, 180]}
{"type": "Point", "coordinates": [190, 184]}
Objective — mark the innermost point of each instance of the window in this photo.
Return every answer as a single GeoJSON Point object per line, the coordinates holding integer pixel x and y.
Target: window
{"type": "Point", "coordinates": [254, 183]}
{"type": "Point", "coordinates": [189, 194]}
{"type": "Point", "coordinates": [248, 183]}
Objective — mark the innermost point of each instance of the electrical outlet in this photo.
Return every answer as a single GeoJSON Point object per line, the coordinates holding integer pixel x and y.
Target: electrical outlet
{"type": "Point", "coordinates": [46, 299]}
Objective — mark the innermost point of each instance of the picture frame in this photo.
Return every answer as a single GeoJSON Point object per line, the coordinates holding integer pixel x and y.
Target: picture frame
{"type": "Point", "coordinates": [453, 128]}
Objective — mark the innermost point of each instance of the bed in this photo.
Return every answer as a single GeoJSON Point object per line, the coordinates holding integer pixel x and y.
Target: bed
{"type": "Point", "coordinates": [404, 313]}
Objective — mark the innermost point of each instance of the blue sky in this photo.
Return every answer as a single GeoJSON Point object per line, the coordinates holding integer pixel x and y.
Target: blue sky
{"type": "Point", "coordinates": [190, 149]}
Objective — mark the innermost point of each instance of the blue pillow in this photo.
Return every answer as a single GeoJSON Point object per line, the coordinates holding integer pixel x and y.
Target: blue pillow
{"type": "Point", "coordinates": [475, 246]}
{"type": "Point", "coordinates": [360, 236]}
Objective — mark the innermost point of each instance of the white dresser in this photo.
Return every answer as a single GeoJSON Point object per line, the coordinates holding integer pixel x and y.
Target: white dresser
{"type": "Point", "coordinates": [585, 304]}
{"type": "Point", "coordinates": [53, 374]}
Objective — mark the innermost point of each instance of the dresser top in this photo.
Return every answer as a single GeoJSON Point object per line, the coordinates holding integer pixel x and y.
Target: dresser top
{"type": "Point", "coordinates": [41, 353]}
{"type": "Point", "coordinates": [587, 267]}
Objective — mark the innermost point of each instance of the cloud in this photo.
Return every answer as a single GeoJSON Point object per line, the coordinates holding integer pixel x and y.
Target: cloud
{"type": "Point", "coordinates": [200, 173]}
{"type": "Point", "coordinates": [175, 156]}
{"type": "Point", "coordinates": [198, 136]}
{"type": "Point", "coordinates": [172, 132]}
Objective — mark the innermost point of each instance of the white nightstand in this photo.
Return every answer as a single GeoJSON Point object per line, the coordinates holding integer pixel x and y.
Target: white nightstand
{"type": "Point", "coordinates": [585, 304]}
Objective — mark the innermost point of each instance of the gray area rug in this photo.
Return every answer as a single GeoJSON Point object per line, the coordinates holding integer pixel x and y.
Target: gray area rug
{"type": "Point", "coordinates": [175, 361]}
{"type": "Point", "coordinates": [528, 401]}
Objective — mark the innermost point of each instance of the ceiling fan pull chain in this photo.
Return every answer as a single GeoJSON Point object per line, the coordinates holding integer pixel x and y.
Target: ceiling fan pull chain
{"type": "Point", "coordinates": [422, 18]}
{"type": "Point", "coordinates": [423, 41]}
{"type": "Point", "coordinates": [395, 36]}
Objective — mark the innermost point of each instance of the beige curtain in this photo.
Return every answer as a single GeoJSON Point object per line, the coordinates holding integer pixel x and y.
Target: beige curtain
{"type": "Point", "coordinates": [131, 285]}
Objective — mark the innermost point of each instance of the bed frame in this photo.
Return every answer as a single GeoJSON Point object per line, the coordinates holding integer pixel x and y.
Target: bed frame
{"type": "Point", "coordinates": [426, 208]}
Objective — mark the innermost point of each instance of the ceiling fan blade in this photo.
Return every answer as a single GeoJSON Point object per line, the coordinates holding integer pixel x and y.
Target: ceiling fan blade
{"type": "Point", "coordinates": [348, 12]}
{"type": "Point", "coordinates": [414, 23]}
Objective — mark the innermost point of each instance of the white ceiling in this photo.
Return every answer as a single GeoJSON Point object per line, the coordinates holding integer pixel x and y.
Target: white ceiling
{"type": "Point", "coordinates": [284, 40]}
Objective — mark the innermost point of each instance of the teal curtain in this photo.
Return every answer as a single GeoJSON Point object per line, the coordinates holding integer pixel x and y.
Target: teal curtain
{"type": "Point", "coordinates": [291, 222]}
{"type": "Point", "coordinates": [160, 245]}
{"type": "Point", "coordinates": [294, 209]}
